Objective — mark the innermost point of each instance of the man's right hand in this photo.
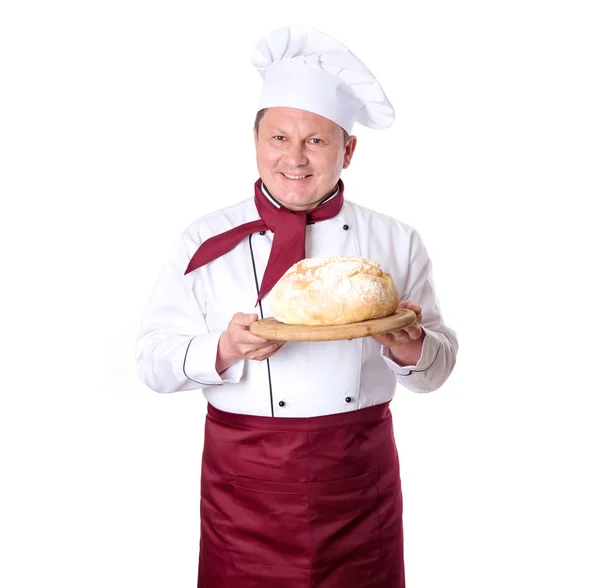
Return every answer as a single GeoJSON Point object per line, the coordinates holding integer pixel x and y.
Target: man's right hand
{"type": "Point", "coordinates": [238, 342]}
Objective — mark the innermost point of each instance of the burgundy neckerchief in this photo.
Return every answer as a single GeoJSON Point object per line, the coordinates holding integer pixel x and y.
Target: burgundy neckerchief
{"type": "Point", "coordinates": [289, 230]}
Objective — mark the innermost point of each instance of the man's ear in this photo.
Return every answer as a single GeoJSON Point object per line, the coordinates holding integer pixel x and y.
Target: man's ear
{"type": "Point", "coordinates": [349, 150]}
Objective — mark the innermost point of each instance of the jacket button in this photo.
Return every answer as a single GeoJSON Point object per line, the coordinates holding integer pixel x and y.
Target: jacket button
{"type": "Point", "coordinates": [263, 233]}
{"type": "Point", "coordinates": [345, 227]}
{"type": "Point", "coordinates": [281, 403]}
{"type": "Point", "coordinates": [348, 399]}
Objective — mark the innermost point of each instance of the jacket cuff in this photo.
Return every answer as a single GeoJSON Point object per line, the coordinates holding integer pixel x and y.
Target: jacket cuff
{"type": "Point", "coordinates": [429, 351]}
{"type": "Point", "coordinates": [199, 362]}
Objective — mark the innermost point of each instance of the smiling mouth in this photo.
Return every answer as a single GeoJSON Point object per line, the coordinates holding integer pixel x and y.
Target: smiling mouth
{"type": "Point", "coordinates": [295, 177]}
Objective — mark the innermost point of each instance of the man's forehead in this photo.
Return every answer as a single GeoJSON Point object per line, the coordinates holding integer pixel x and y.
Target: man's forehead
{"type": "Point", "coordinates": [294, 117]}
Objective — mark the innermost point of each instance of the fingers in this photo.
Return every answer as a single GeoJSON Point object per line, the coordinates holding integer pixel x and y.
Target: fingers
{"type": "Point", "coordinates": [392, 339]}
{"type": "Point", "coordinates": [411, 333]}
{"type": "Point", "coordinates": [239, 328]}
{"type": "Point", "coordinates": [259, 350]}
{"type": "Point", "coordinates": [245, 344]}
{"type": "Point", "coordinates": [263, 353]}
{"type": "Point", "coordinates": [411, 306]}
{"type": "Point", "coordinates": [243, 320]}
{"type": "Point", "coordinates": [414, 331]}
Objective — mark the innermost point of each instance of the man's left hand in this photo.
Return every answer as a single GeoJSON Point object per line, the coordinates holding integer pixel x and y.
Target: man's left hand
{"type": "Point", "coordinates": [413, 332]}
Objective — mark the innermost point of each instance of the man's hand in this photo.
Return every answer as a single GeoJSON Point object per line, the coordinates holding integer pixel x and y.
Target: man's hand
{"type": "Point", "coordinates": [411, 333]}
{"type": "Point", "coordinates": [405, 344]}
{"type": "Point", "coordinates": [237, 342]}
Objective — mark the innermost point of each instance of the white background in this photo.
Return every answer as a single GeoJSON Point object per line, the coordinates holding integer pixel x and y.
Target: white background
{"type": "Point", "coordinates": [123, 121]}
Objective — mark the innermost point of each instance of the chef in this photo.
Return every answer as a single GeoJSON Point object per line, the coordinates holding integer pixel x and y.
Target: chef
{"type": "Point", "coordinates": [300, 482]}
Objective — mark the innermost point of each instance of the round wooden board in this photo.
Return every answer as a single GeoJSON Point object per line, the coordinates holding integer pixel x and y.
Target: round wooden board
{"type": "Point", "coordinates": [272, 329]}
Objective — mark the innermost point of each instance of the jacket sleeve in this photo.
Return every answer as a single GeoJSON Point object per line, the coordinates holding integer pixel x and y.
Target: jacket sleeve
{"type": "Point", "coordinates": [440, 345]}
{"type": "Point", "coordinates": [175, 350]}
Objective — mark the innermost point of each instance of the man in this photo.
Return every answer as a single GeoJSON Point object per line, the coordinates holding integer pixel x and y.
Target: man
{"type": "Point", "coordinates": [300, 481]}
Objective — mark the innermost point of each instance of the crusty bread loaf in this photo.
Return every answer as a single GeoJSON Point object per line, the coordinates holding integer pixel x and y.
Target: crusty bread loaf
{"type": "Point", "coordinates": [333, 290]}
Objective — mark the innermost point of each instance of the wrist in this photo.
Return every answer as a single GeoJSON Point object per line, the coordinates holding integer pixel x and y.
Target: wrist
{"type": "Point", "coordinates": [226, 356]}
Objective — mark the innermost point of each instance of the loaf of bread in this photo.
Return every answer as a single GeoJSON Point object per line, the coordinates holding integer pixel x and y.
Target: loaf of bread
{"type": "Point", "coordinates": [333, 290]}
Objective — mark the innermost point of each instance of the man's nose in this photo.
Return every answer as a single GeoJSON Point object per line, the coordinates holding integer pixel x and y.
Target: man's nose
{"type": "Point", "coordinates": [295, 155]}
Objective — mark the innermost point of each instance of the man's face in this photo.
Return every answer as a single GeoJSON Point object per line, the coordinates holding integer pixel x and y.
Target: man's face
{"type": "Point", "coordinates": [300, 156]}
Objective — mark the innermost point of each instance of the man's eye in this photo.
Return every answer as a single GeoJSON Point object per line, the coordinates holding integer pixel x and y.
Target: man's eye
{"type": "Point", "coordinates": [315, 141]}
{"type": "Point", "coordinates": [279, 137]}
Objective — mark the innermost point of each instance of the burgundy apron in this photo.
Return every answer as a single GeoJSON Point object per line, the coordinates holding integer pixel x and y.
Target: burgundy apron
{"type": "Point", "coordinates": [301, 502]}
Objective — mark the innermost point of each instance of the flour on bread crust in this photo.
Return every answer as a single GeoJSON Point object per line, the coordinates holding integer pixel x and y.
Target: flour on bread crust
{"type": "Point", "coordinates": [333, 290]}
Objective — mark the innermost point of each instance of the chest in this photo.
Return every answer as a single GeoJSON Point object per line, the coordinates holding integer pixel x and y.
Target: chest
{"type": "Point", "coordinates": [230, 284]}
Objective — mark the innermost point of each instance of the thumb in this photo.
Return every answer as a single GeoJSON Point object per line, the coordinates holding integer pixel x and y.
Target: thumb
{"type": "Point", "coordinates": [245, 320]}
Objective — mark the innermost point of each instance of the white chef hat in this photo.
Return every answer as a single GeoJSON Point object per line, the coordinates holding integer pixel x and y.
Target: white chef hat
{"type": "Point", "coordinates": [306, 69]}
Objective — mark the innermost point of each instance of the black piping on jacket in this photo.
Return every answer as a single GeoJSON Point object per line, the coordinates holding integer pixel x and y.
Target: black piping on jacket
{"type": "Point", "coordinates": [261, 316]}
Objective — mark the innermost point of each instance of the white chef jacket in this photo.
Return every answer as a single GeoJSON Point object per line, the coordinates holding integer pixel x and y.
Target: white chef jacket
{"type": "Point", "coordinates": [186, 314]}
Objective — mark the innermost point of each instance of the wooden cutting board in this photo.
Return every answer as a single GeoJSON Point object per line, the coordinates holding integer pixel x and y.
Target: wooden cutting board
{"type": "Point", "coordinates": [270, 328]}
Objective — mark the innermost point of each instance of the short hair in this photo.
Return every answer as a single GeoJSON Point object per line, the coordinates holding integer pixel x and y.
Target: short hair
{"type": "Point", "coordinates": [261, 113]}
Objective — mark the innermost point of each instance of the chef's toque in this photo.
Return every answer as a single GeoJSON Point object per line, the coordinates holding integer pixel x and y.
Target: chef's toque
{"type": "Point", "coordinates": [306, 69]}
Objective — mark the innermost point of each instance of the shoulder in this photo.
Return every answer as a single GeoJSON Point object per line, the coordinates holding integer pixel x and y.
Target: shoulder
{"type": "Point", "coordinates": [221, 220]}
